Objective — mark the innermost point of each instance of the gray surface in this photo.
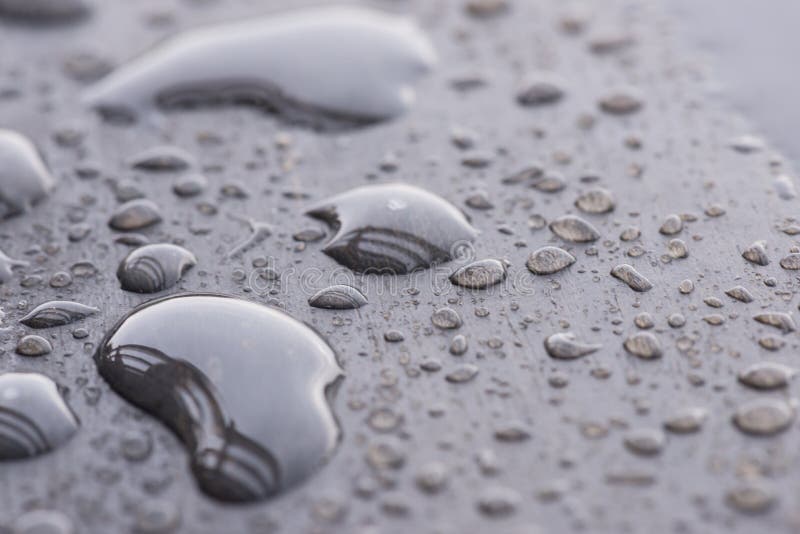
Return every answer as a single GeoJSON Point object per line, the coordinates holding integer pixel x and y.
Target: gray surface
{"type": "Point", "coordinates": [687, 165]}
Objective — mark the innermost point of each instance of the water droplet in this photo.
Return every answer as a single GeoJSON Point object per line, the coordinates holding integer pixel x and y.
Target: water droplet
{"type": "Point", "coordinates": [154, 268]}
{"type": "Point", "coordinates": [677, 249]}
{"type": "Point", "coordinates": [784, 186]}
{"type": "Point", "coordinates": [632, 277]}
{"type": "Point", "coordinates": [644, 345]}
{"type": "Point", "coordinates": [431, 477]}
{"type": "Point", "coordinates": [135, 215]}
{"type": "Point", "coordinates": [393, 336]}
{"type": "Point", "coordinates": [740, 293]}
{"type": "Point", "coordinates": [574, 229]}
{"type": "Point", "coordinates": [480, 274]}
{"type": "Point", "coordinates": [676, 320]}
{"type": "Point", "coordinates": [479, 201]}
{"type": "Point", "coordinates": [275, 63]}
{"type": "Point", "coordinates": [750, 499]}
{"type": "Point", "coordinates": [162, 159]}
{"type": "Point", "coordinates": [244, 387]}
{"type": "Point", "coordinates": [756, 253]}
{"type": "Point", "coordinates": [791, 262]}
{"type": "Point", "coordinates": [42, 521]}
{"type": "Point", "coordinates": [540, 89]}
{"type": "Point", "coordinates": [57, 313]}
{"type": "Point", "coordinates": [747, 144]}
{"type": "Point", "coordinates": [686, 287]}
{"type": "Point", "coordinates": [497, 502]}
{"type": "Point", "coordinates": [32, 345]}
{"type": "Point", "coordinates": [780, 320]}
{"type": "Point", "coordinates": [35, 417]}
{"type": "Point", "coordinates": [644, 321]}
{"type": "Point", "coordinates": [446, 318]}
{"type": "Point", "coordinates": [461, 374]}
{"type": "Point", "coordinates": [459, 345]}
{"type": "Point", "coordinates": [645, 441]}
{"type": "Point", "coordinates": [552, 182]}
{"type": "Point", "coordinates": [565, 346]}
{"type": "Point", "coordinates": [24, 178]}
{"type": "Point", "coordinates": [338, 297]}
{"type": "Point", "coordinates": [766, 375]}
{"type": "Point", "coordinates": [379, 228]}
{"type": "Point", "coordinates": [189, 185]}
{"type": "Point", "coordinates": [672, 225]}
{"type": "Point", "coordinates": [596, 201]}
{"type": "Point", "coordinates": [764, 417]}
{"type": "Point", "coordinates": [549, 260]}
{"type": "Point", "coordinates": [621, 102]}
{"type": "Point", "coordinates": [686, 420]}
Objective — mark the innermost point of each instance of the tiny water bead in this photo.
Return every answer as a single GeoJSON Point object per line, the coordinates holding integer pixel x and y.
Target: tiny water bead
{"type": "Point", "coordinates": [244, 386]}
{"type": "Point", "coordinates": [370, 61]}
{"type": "Point", "coordinates": [767, 375]}
{"type": "Point", "coordinates": [392, 229]}
{"type": "Point", "coordinates": [596, 201]}
{"type": "Point", "coordinates": [25, 180]}
{"type": "Point", "coordinates": [644, 345]}
{"type": "Point", "coordinates": [779, 320]}
{"type": "Point", "coordinates": [34, 418]}
{"type": "Point", "coordinates": [154, 268]}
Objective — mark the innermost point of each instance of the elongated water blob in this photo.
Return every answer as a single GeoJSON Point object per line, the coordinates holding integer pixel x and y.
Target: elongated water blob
{"type": "Point", "coordinates": [243, 386]}
{"type": "Point", "coordinates": [24, 178]}
{"type": "Point", "coordinates": [392, 229]}
{"type": "Point", "coordinates": [57, 313]}
{"type": "Point", "coordinates": [34, 418]}
{"type": "Point", "coordinates": [350, 63]}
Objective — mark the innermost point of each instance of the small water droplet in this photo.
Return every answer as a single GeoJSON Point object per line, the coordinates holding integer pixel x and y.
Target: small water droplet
{"type": "Point", "coordinates": [480, 274]}
{"type": "Point", "coordinates": [644, 345]}
{"type": "Point", "coordinates": [338, 297]}
{"type": "Point", "coordinates": [764, 417]}
{"type": "Point", "coordinates": [135, 215]}
{"type": "Point", "coordinates": [566, 346]}
{"type": "Point", "coordinates": [154, 268]}
{"type": "Point", "coordinates": [57, 313]}
{"type": "Point", "coordinates": [766, 375]}
{"type": "Point", "coordinates": [370, 237]}
{"type": "Point", "coordinates": [632, 277]}
{"type": "Point", "coordinates": [573, 228]}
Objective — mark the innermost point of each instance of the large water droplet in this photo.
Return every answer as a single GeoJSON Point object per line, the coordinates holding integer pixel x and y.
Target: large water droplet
{"type": "Point", "coordinates": [24, 178]}
{"type": "Point", "coordinates": [309, 66]}
{"type": "Point", "coordinates": [243, 386]}
{"type": "Point", "coordinates": [392, 228]}
{"type": "Point", "coordinates": [34, 418]}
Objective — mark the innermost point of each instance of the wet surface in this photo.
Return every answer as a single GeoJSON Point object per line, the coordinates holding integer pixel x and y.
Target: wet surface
{"type": "Point", "coordinates": [453, 416]}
